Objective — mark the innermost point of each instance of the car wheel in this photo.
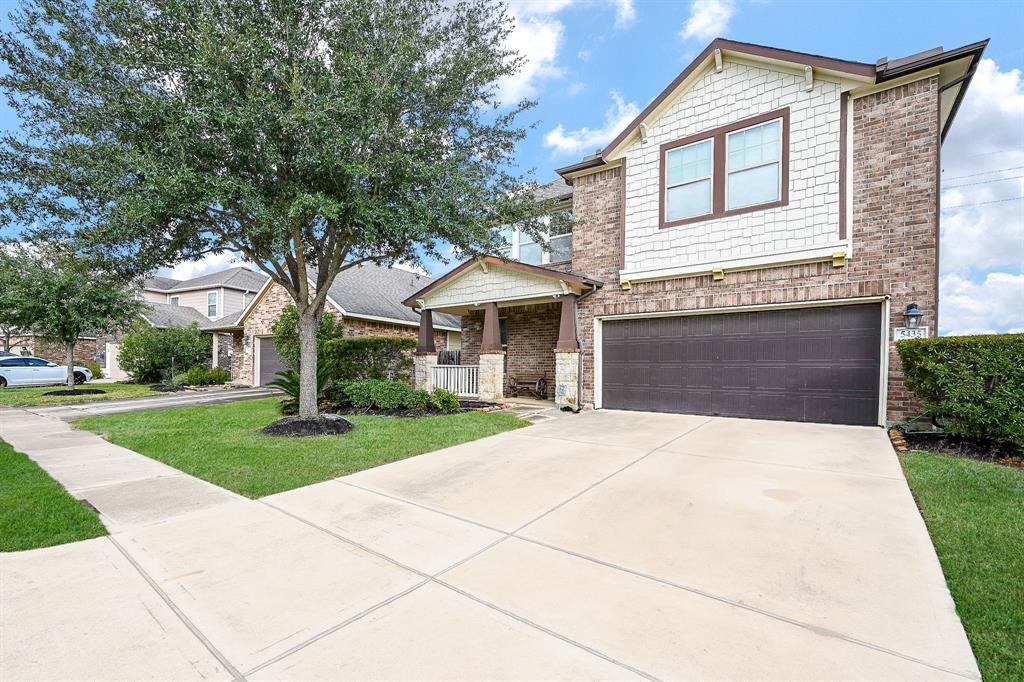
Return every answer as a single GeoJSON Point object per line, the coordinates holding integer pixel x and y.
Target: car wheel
{"type": "Point", "coordinates": [3, 382]}
{"type": "Point", "coordinates": [79, 378]}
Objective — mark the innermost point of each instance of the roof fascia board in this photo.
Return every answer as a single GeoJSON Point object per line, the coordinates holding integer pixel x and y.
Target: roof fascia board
{"type": "Point", "coordinates": [863, 91]}
{"type": "Point", "coordinates": [255, 301]}
{"type": "Point", "coordinates": [178, 290]}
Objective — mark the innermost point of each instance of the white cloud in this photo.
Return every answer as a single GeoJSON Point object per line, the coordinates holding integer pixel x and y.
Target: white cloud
{"type": "Point", "coordinates": [409, 267]}
{"type": "Point", "coordinates": [987, 139]}
{"type": "Point", "coordinates": [986, 307]}
{"type": "Point", "coordinates": [575, 89]}
{"type": "Point", "coordinates": [211, 262]}
{"type": "Point", "coordinates": [625, 12]}
{"type": "Point", "coordinates": [708, 19]}
{"type": "Point", "coordinates": [586, 140]}
{"type": "Point", "coordinates": [584, 55]}
{"type": "Point", "coordinates": [537, 37]}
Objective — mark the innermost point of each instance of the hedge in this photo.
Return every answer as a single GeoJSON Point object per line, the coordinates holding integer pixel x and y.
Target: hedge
{"type": "Point", "coordinates": [359, 358]}
{"type": "Point", "coordinates": [972, 385]}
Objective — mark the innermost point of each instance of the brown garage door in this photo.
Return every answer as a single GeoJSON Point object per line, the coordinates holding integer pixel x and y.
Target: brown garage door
{"type": "Point", "coordinates": [809, 364]}
{"type": "Point", "coordinates": [270, 361]}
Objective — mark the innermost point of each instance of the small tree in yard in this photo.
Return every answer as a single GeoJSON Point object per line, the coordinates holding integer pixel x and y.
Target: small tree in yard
{"type": "Point", "coordinates": [150, 354]}
{"type": "Point", "coordinates": [11, 309]}
{"type": "Point", "coordinates": [286, 336]}
{"type": "Point", "coordinates": [62, 297]}
{"type": "Point", "coordinates": [308, 136]}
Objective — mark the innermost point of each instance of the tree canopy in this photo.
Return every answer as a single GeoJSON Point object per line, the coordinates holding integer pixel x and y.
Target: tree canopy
{"type": "Point", "coordinates": [308, 136]}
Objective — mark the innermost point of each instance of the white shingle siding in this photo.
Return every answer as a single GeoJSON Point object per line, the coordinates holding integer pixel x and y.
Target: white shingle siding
{"type": "Point", "coordinates": [739, 91]}
{"type": "Point", "coordinates": [497, 284]}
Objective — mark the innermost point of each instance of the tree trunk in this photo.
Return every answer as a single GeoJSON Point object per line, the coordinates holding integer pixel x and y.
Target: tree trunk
{"type": "Point", "coordinates": [71, 365]}
{"type": "Point", "coordinates": [308, 325]}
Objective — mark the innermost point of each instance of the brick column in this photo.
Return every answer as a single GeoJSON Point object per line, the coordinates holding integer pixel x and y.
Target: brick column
{"type": "Point", "coordinates": [423, 371]}
{"type": "Point", "coordinates": [491, 378]}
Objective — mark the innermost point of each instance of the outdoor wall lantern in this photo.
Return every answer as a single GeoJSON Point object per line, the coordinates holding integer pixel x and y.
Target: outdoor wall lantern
{"type": "Point", "coordinates": [912, 316]}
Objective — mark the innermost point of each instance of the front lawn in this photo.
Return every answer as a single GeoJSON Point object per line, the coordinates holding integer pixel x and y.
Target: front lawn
{"type": "Point", "coordinates": [32, 396]}
{"type": "Point", "coordinates": [975, 514]}
{"type": "Point", "coordinates": [35, 511]}
{"type": "Point", "coordinates": [222, 443]}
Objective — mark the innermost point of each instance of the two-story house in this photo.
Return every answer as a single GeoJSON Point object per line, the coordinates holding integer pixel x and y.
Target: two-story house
{"type": "Point", "coordinates": [748, 246]}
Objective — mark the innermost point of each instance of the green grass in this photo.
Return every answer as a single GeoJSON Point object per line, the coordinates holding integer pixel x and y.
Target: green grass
{"type": "Point", "coordinates": [222, 443]}
{"type": "Point", "coordinates": [35, 511]}
{"type": "Point", "coordinates": [32, 396]}
{"type": "Point", "coordinates": [975, 514]}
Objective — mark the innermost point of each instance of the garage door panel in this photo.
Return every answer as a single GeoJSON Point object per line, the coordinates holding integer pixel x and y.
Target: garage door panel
{"type": "Point", "coordinates": [270, 361]}
{"type": "Point", "coordinates": [813, 364]}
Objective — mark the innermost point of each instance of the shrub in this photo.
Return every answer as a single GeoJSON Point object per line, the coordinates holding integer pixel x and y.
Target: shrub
{"type": "Point", "coordinates": [361, 358]}
{"type": "Point", "coordinates": [972, 385]}
{"type": "Point", "coordinates": [94, 367]}
{"type": "Point", "coordinates": [219, 375]}
{"type": "Point", "coordinates": [197, 376]}
{"type": "Point", "coordinates": [150, 354]}
{"type": "Point", "coordinates": [443, 400]}
{"type": "Point", "coordinates": [286, 335]}
{"type": "Point", "coordinates": [288, 381]}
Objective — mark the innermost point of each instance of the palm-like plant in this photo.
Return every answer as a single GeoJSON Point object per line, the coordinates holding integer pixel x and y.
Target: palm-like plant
{"type": "Point", "coordinates": [288, 381]}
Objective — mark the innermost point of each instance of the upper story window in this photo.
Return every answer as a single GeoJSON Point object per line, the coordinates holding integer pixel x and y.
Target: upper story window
{"type": "Point", "coordinates": [175, 300]}
{"type": "Point", "coordinates": [736, 168]}
{"type": "Point", "coordinates": [553, 246]}
{"type": "Point", "coordinates": [211, 304]}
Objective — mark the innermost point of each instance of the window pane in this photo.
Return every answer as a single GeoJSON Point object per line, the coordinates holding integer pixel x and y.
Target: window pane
{"type": "Point", "coordinates": [755, 186]}
{"type": "Point", "coordinates": [755, 146]}
{"type": "Point", "coordinates": [686, 201]}
{"type": "Point", "coordinates": [688, 163]}
{"type": "Point", "coordinates": [560, 248]}
{"type": "Point", "coordinates": [531, 253]}
{"type": "Point", "coordinates": [503, 330]}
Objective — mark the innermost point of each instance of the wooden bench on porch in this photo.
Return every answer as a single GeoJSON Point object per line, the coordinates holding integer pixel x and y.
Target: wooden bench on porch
{"type": "Point", "coordinates": [535, 384]}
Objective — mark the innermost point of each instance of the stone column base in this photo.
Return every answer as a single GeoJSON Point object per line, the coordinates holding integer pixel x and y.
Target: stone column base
{"type": "Point", "coordinates": [491, 377]}
{"type": "Point", "coordinates": [567, 374]}
{"type": "Point", "coordinates": [423, 371]}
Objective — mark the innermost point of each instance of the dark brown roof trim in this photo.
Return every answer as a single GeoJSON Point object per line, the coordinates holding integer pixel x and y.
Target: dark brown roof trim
{"type": "Point", "coordinates": [592, 161]}
{"type": "Point", "coordinates": [976, 50]}
{"type": "Point", "coordinates": [901, 67]}
{"type": "Point", "coordinates": [581, 280]}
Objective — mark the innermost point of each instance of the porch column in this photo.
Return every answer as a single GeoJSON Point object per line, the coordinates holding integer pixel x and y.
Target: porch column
{"type": "Point", "coordinates": [426, 340]}
{"type": "Point", "coordinates": [216, 350]}
{"type": "Point", "coordinates": [567, 356]}
{"type": "Point", "coordinates": [491, 377]}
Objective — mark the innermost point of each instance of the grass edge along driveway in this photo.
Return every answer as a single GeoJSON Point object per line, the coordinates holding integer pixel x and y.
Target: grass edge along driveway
{"type": "Point", "coordinates": [975, 515]}
{"type": "Point", "coordinates": [32, 396]}
{"type": "Point", "coordinates": [222, 444]}
{"type": "Point", "coordinates": [35, 510]}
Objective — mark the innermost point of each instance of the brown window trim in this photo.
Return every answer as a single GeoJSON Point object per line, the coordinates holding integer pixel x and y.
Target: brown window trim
{"type": "Point", "coordinates": [718, 173]}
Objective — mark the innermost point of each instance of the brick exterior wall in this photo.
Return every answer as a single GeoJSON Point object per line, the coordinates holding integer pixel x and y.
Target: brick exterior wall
{"type": "Point", "coordinates": [268, 309]}
{"type": "Point", "coordinates": [47, 349]}
{"type": "Point", "coordinates": [532, 335]}
{"type": "Point", "coordinates": [894, 231]}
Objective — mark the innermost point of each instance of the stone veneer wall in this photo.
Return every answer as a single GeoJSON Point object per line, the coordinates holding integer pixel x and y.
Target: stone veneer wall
{"type": "Point", "coordinates": [895, 147]}
{"type": "Point", "coordinates": [532, 335]}
{"type": "Point", "coordinates": [268, 309]}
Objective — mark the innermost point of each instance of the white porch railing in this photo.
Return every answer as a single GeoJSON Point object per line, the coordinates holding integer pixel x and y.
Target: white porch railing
{"type": "Point", "coordinates": [459, 379]}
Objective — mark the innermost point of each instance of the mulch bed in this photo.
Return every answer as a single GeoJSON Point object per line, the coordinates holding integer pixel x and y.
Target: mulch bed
{"type": "Point", "coordinates": [957, 447]}
{"type": "Point", "coordinates": [167, 388]}
{"type": "Point", "coordinates": [77, 391]}
{"type": "Point", "coordinates": [299, 427]}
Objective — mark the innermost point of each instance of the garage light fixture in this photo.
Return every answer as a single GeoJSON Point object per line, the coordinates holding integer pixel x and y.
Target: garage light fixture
{"type": "Point", "coordinates": [912, 316]}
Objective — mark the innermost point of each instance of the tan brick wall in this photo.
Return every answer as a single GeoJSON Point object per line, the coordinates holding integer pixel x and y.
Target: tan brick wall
{"type": "Point", "coordinates": [268, 309]}
{"type": "Point", "coordinates": [532, 335]}
{"type": "Point", "coordinates": [894, 230]}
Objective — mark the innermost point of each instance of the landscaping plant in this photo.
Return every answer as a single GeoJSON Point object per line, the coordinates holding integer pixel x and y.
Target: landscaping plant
{"type": "Point", "coordinates": [286, 336]}
{"type": "Point", "coordinates": [973, 386]}
{"type": "Point", "coordinates": [306, 136]}
{"type": "Point", "coordinates": [385, 396]}
{"type": "Point", "coordinates": [370, 357]}
{"type": "Point", "coordinates": [150, 354]}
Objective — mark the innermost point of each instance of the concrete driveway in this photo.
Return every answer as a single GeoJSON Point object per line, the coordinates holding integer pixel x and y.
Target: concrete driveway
{"type": "Point", "coordinates": [607, 545]}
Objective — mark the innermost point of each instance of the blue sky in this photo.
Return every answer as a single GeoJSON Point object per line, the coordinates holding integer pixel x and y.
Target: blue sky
{"type": "Point", "coordinates": [593, 64]}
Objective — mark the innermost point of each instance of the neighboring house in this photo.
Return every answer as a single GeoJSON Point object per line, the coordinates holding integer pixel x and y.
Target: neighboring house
{"type": "Point", "coordinates": [369, 300]}
{"type": "Point", "coordinates": [745, 247]}
{"type": "Point", "coordinates": [54, 351]}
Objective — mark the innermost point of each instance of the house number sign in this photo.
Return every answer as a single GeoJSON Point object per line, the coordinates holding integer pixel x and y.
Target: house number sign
{"type": "Point", "coordinates": [903, 333]}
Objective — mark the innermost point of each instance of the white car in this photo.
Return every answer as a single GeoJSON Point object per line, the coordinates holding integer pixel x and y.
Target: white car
{"type": "Point", "coordinates": [30, 371]}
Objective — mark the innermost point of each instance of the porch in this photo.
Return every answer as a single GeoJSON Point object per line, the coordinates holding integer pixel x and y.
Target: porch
{"type": "Point", "coordinates": [519, 335]}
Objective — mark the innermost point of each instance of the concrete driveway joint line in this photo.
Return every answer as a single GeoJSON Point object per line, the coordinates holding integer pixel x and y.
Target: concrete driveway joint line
{"type": "Point", "coordinates": [430, 578]}
{"type": "Point", "coordinates": [235, 673]}
{"type": "Point", "coordinates": [693, 590]}
{"type": "Point", "coordinates": [788, 466]}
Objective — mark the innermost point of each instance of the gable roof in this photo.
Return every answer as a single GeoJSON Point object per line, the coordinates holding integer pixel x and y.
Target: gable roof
{"type": "Point", "coordinates": [239, 278]}
{"type": "Point", "coordinates": [164, 315]}
{"type": "Point", "coordinates": [158, 283]}
{"type": "Point", "coordinates": [374, 291]}
{"type": "Point", "coordinates": [868, 74]}
{"type": "Point", "coordinates": [557, 189]}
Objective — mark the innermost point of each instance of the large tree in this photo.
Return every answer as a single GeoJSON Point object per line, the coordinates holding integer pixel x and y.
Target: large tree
{"type": "Point", "coordinates": [12, 319]}
{"type": "Point", "coordinates": [64, 297]}
{"type": "Point", "coordinates": [307, 135]}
